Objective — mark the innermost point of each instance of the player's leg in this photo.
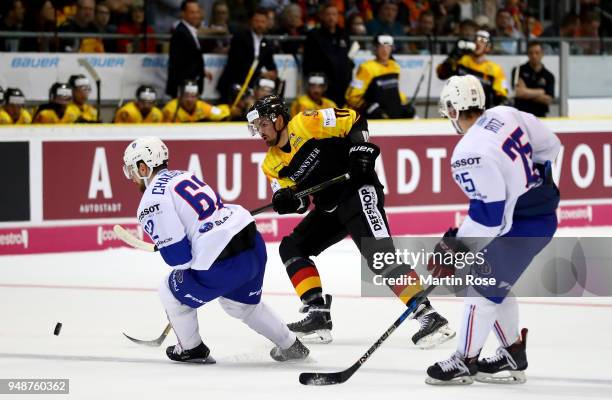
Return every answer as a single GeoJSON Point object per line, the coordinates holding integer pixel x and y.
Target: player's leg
{"type": "Point", "coordinates": [315, 233]}
{"type": "Point", "coordinates": [244, 303]}
{"type": "Point", "coordinates": [183, 316]}
{"type": "Point", "coordinates": [366, 221]}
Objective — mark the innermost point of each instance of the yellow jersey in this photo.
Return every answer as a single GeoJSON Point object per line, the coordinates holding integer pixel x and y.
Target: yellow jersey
{"type": "Point", "coordinates": [24, 118]}
{"type": "Point", "coordinates": [376, 83]}
{"type": "Point", "coordinates": [317, 151]}
{"type": "Point", "coordinates": [202, 112]}
{"type": "Point", "coordinates": [305, 103]}
{"type": "Point", "coordinates": [489, 73]}
{"type": "Point", "coordinates": [87, 113]}
{"type": "Point", "coordinates": [130, 114]}
{"type": "Point", "coordinates": [51, 113]}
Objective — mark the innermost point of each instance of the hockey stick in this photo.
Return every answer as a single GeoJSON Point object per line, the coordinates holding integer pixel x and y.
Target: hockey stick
{"type": "Point", "coordinates": [94, 75]}
{"type": "Point", "coordinates": [334, 378]}
{"type": "Point", "coordinates": [133, 241]}
{"type": "Point", "coordinates": [246, 82]}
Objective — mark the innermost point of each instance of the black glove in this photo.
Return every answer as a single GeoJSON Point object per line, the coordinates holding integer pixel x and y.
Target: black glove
{"type": "Point", "coordinates": [285, 202]}
{"type": "Point", "coordinates": [440, 263]}
{"type": "Point", "coordinates": [362, 158]}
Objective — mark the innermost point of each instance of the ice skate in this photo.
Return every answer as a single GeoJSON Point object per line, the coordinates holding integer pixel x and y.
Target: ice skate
{"type": "Point", "coordinates": [317, 325]}
{"type": "Point", "coordinates": [297, 351]}
{"type": "Point", "coordinates": [434, 329]}
{"type": "Point", "coordinates": [508, 365]}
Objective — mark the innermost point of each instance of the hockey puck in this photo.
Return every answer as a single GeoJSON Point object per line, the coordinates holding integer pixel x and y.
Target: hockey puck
{"type": "Point", "coordinates": [58, 328]}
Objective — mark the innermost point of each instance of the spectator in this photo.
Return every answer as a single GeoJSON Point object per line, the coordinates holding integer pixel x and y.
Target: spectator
{"type": "Point", "coordinates": [355, 25]}
{"type": "Point", "coordinates": [569, 28]}
{"type": "Point", "coordinates": [13, 13]}
{"type": "Point", "coordinates": [448, 15]}
{"type": "Point", "coordinates": [136, 26]}
{"type": "Point", "coordinates": [81, 88]}
{"type": "Point", "coordinates": [589, 29]}
{"type": "Point", "coordinates": [515, 9]}
{"type": "Point", "coordinates": [314, 99]}
{"type": "Point", "coordinates": [14, 112]}
{"type": "Point", "coordinates": [264, 87]}
{"type": "Point", "coordinates": [82, 22]}
{"type": "Point", "coordinates": [188, 108]}
{"type": "Point", "coordinates": [186, 60]}
{"type": "Point", "coordinates": [120, 11]}
{"type": "Point", "coordinates": [467, 29]}
{"type": "Point", "coordinates": [219, 24]}
{"type": "Point", "coordinates": [326, 50]}
{"type": "Point", "coordinates": [56, 111]}
{"type": "Point", "coordinates": [534, 84]}
{"type": "Point", "coordinates": [244, 47]}
{"type": "Point", "coordinates": [410, 11]}
{"type": "Point", "coordinates": [242, 11]}
{"type": "Point", "coordinates": [291, 24]}
{"type": "Point", "coordinates": [375, 91]}
{"type": "Point", "coordinates": [142, 109]}
{"type": "Point", "coordinates": [386, 20]}
{"type": "Point", "coordinates": [469, 58]}
{"type": "Point", "coordinates": [101, 21]}
{"type": "Point", "coordinates": [42, 20]}
{"type": "Point", "coordinates": [424, 27]}
{"type": "Point", "coordinates": [532, 28]}
{"type": "Point", "coordinates": [506, 35]}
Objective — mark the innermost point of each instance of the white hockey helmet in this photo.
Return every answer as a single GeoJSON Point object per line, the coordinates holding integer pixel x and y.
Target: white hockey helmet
{"type": "Point", "coordinates": [461, 93]}
{"type": "Point", "coordinates": [150, 150]}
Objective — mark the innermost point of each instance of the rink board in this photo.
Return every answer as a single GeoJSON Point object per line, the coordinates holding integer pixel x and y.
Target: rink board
{"type": "Point", "coordinates": [70, 190]}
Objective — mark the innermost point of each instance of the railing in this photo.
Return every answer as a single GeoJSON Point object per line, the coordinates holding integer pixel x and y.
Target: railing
{"type": "Point", "coordinates": [426, 44]}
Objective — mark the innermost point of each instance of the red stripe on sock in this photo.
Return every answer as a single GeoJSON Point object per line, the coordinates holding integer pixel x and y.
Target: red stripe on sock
{"type": "Point", "coordinates": [302, 274]}
{"type": "Point", "coordinates": [468, 343]}
{"type": "Point", "coordinates": [501, 334]}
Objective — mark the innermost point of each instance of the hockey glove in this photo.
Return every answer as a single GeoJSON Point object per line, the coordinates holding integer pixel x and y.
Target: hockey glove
{"type": "Point", "coordinates": [362, 159]}
{"type": "Point", "coordinates": [285, 202]}
{"type": "Point", "coordinates": [442, 262]}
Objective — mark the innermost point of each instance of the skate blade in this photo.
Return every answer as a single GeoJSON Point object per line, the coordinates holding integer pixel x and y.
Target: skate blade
{"type": "Point", "coordinates": [321, 336]}
{"type": "Point", "coordinates": [438, 337]}
{"type": "Point", "coordinates": [510, 377]}
{"type": "Point", "coordinates": [460, 381]}
{"type": "Point", "coordinates": [207, 360]}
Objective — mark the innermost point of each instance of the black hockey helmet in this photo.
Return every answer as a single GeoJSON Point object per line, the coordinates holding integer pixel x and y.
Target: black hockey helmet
{"type": "Point", "coordinates": [317, 78]}
{"type": "Point", "coordinates": [188, 86]}
{"type": "Point", "coordinates": [14, 96]}
{"type": "Point", "coordinates": [146, 93]}
{"type": "Point", "coordinates": [270, 107]}
{"type": "Point", "coordinates": [60, 90]}
{"type": "Point", "coordinates": [79, 81]}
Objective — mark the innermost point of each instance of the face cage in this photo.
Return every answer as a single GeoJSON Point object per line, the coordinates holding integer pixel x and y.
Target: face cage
{"type": "Point", "coordinates": [449, 111]}
{"type": "Point", "coordinates": [256, 125]}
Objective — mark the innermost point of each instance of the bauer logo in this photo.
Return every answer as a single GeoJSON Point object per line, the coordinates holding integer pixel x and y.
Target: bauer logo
{"type": "Point", "coordinates": [15, 239]}
{"type": "Point", "coordinates": [35, 62]}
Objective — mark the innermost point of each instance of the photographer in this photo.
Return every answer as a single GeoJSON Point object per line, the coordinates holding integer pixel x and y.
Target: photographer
{"type": "Point", "coordinates": [469, 58]}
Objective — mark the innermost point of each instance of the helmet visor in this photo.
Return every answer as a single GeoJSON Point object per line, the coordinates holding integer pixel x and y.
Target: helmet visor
{"type": "Point", "coordinates": [257, 123]}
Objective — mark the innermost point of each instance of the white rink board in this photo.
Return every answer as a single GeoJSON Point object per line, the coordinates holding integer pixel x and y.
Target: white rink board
{"type": "Point", "coordinates": [98, 295]}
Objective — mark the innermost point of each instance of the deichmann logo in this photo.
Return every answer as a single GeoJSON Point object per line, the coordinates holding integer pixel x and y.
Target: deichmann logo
{"type": "Point", "coordinates": [15, 239]}
{"type": "Point", "coordinates": [108, 235]}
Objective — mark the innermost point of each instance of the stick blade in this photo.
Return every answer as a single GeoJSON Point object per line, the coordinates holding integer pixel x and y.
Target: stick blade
{"type": "Point", "coordinates": [150, 343]}
{"type": "Point", "coordinates": [321, 379]}
{"type": "Point", "coordinates": [127, 237]}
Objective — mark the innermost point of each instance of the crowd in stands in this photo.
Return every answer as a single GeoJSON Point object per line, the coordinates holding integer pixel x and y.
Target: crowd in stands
{"type": "Point", "coordinates": [238, 28]}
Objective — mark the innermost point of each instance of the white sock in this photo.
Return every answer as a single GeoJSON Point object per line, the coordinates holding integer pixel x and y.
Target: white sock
{"type": "Point", "coordinates": [478, 319]}
{"type": "Point", "coordinates": [261, 319]}
{"type": "Point", "coordinates": [506, 325]}
{"type": "Point", "coordinates": [184, 319]}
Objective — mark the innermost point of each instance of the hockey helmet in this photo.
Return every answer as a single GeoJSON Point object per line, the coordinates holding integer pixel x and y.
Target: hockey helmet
{"type": "Point", "coordinates": [150, 150]}
{"type": "Point", "coordinates": [79, 81]}
{"type": "Point", "coordinates": [268, 107]}
{"type": "Point", "coordinates": [60, 91]}
{"type": "Point", "coordinates": [461, 93]}
{"type": "Point", "coordinates": [146, 93]}
{"type": "Point", "coordinates": [14, 96]}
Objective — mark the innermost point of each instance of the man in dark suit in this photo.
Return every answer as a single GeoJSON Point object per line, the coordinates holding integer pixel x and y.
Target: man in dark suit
{"type": "Point", "coordinates": [244, 47]}
{"type": "Point", "coordinates": [326, 50]}
{"type": "Point", "coordinates": [186, 61]}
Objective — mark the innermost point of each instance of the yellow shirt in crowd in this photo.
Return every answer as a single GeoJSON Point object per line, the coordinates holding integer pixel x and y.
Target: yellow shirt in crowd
{"type": "Point", "coordinates": [24, 118]}
{"type": "Point", "coordinates": [367, 72]}
{"type": "Point", "coordinates": [86, 112]}
{"type": "Point", "coordinates": [305, 103]}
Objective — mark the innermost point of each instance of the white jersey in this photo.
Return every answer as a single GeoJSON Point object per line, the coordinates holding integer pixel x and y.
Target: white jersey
{"type": "Point", "coordinates": [187, 221]}
{"type": "Point", "coordinates": [493, 165]}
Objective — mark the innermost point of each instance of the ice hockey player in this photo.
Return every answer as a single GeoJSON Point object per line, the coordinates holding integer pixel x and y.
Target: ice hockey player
{"type": "Point", "coordinates": [502, 164]}
{"type": "Point", "coordinates": [142, 109]}
{"type": "Point", "coordinates": [375, 91]}
{"type": "Point", "coordinates": [56, 111]}
{"type": "Point", "coordinates": [187, 107]}
{"type": "Point", "coordinates": [314, 99]}
{"type": "Point", "coordinates": [213, 248]}
{"type": "Point", "coordinates": [309, 149]}
{"type": "Point", "coordinates": [14, 111]}
{"type": "Point", "coordinates": [81, 88]}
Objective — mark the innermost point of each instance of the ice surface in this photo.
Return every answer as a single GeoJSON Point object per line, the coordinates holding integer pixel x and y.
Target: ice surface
{"type": "Point", "coordinates": [98, 295]}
